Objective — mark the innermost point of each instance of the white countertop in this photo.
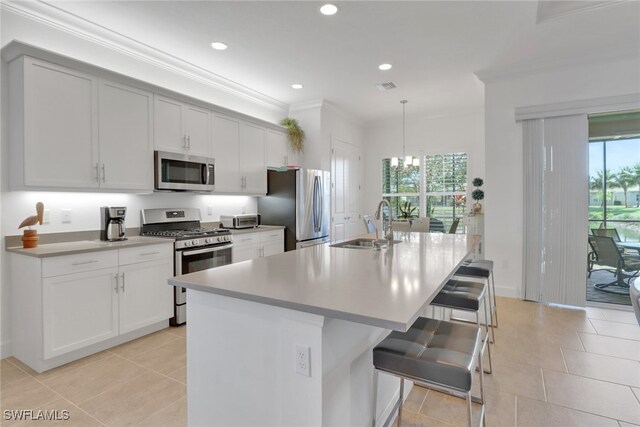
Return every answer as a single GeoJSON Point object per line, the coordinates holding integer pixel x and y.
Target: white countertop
{"type": "Point", "coordinates": [82, 246]}
{"type": "Point", "coordinates": [388, 289]}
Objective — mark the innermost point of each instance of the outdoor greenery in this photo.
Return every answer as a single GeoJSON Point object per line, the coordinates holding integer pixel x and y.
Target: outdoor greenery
{"type": "Point", "coordinates": [625, 178]}
{"type": "Point", "coordinates": [444, 195]}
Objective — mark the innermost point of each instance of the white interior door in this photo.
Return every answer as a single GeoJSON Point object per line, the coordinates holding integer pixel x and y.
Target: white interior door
{"type": "Point", "coordinates": [345, 190]}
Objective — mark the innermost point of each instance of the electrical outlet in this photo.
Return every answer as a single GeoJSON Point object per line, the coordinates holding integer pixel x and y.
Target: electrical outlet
{"type": "Point", "coordinates": [209, 210]}
{"type": "Point", "coordinates": [303, 366]}
{"type": "Point", "coordinates": [46, 216]}
{"type": "Point", "coordinates": [66, 216]}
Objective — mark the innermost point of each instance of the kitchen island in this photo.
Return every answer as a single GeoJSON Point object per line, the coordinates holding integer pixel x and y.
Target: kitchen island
{"type": "Point", "coordinates": [250, 324]}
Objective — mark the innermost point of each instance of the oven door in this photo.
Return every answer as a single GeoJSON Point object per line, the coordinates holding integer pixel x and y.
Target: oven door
{"type": "Point", "coordinates": [192, 260]}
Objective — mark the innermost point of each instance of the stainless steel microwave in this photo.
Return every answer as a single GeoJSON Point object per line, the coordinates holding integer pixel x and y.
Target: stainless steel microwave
{"type": "Point", "coordinates": [183, 172]}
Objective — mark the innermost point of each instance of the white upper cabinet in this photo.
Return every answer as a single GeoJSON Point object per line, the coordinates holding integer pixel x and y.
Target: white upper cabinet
{"type": "Point", "coordinates": [239, 152]}
{"type": "Point", "coordinates": [73, 130]}
{"type": "Point", "coordinates": [226, 151]}
{"type": "Point", "coordinates": [181, 127]}
{"type": "Point", "coordinates": [279, 152]}
{"type": "Point", "coordinates": [197, 130]}
{"type": "Point", "coordinates": [126, 144]}
{"type": "Point", "coordinates": [53, 125]}
{"type": "Point", "coordinates": [253, 158]}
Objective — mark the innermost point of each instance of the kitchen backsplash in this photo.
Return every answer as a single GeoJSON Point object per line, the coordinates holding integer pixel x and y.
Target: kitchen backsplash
{"type": "Point", "coordinates": [84, 207]}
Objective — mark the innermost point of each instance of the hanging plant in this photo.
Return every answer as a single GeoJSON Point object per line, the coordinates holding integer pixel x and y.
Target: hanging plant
{"type": "Point", "coordinates": [296, 134]}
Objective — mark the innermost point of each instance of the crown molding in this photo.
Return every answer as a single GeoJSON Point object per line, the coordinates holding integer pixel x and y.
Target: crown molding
{"type": "Point", "coordinates": [306, 105]}
{"type": "Point", "coordinates": [49, 15]}
{"type": "Point", "coordinates": [524, 69]}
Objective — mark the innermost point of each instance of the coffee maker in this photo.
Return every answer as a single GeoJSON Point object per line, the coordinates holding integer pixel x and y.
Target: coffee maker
{"type": "Point", "coordinates": [112, 225]}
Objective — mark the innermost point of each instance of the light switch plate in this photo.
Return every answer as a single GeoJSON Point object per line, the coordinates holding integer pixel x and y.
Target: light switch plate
{"type": "Point", "coordinates": [66, 216]}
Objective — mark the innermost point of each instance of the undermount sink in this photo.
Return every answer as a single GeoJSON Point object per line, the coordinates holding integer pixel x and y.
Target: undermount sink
{"type": "Point", "coordinates": [363, 243]}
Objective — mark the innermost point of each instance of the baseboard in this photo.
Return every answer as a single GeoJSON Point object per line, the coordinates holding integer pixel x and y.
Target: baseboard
{"type": "Point", "coordinates": [5, 349]}
{"type": "Point", "coordinates": [503, 291]}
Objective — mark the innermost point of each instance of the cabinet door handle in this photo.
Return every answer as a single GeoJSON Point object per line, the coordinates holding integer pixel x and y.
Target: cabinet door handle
{"type": "Point", "coordinates": [97, 173]}
{"type": "Point", "coordinates": [84, 262]}
{"type": "Point", "coordinates": [149, 253]}
{"type": "Point", "coordinates": [184, 141]}
{"type": "Point", "coordinates": [189, 142]}
{"type": "Point", "coordinates": [286, 160]}
{"type": "Point", "coordinates": [104, 173]}
{"type": "Point", "coordinates": [123, 282]}
{"type": "Point", "coordinates": [116, 277]}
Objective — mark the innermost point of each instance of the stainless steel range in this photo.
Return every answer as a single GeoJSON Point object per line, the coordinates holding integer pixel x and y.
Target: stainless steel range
{"type": "Point", "coordinates": [196, 248]}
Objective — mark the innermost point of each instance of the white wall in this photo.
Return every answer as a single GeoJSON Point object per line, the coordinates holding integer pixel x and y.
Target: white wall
{"type": "Point", "coordinates": [423, 135]}
{"type": "Point", "coordinates": [503, 184]}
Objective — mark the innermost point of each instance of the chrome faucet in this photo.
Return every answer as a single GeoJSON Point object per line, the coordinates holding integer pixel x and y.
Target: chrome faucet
{"type": "Point", "coordinates": [388, 230]}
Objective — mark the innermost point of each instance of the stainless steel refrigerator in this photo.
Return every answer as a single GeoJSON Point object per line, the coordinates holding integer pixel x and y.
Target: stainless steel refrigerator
{"type": "Point", "coordinates": [298, 199]}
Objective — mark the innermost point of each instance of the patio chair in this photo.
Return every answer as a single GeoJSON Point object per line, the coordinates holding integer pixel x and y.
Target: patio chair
{"type": "Point", "coordinates": [606, 232]}
{"type": "Point", "coordinates": [608, 255]}
{"type": "Point", "coordinates": [435, 225]}
{"type": "Point", "coordinates": [454, 225]}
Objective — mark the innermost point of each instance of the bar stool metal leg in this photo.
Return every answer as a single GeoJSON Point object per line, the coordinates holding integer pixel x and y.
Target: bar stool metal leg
{"type": "Point", "coordinates": [486, 321]}
{"type": "Point", "coordinates": [375, 397]}
{"type": "Point", "coordinates": [401, 401]}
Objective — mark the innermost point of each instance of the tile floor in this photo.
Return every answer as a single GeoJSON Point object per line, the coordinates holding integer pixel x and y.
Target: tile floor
{"type": "Point", "coordinates": [552, 367]}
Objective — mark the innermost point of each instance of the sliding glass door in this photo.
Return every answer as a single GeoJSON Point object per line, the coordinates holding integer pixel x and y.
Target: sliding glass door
{"type": "Point", "coordinates": [614, 211]}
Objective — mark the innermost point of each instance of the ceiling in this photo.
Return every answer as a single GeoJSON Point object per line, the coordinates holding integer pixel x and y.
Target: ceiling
{"type": "Point", "coordinates": [434, 46]}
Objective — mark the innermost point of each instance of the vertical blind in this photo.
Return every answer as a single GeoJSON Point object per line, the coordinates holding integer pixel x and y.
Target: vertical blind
{"type": "Point", "coordinates": [556, 189]}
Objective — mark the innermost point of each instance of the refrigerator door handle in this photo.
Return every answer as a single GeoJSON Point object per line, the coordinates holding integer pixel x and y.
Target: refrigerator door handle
{"type": "Point", "coordinates": [315, 204]}
{"type": "Point", "coordinates": [321, 199]}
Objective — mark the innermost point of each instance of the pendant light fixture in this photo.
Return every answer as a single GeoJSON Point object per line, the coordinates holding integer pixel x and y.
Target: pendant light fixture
{"type": "Point", "coordinates": [408, 160]}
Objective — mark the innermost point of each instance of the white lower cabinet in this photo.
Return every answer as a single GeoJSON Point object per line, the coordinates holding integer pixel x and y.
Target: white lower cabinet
{"type": "Point", "coordinates": [82, 303]}
{"type": "Point", "coordinates": [257, 244]}
{"type": "Point", "coordinates": [78, 310]}
{"type": "Point", "coordinates": [142, 301]}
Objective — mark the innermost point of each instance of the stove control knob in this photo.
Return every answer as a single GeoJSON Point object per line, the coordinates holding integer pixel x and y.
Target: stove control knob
{"type": "Point", "coordinates": [195, 242]}
{"type": "Point", "coordinates": [227, 238]}
{"type": "Point", "coordinates": [187, 243]}
{"type": "Point", "coordinates": [208, 240]}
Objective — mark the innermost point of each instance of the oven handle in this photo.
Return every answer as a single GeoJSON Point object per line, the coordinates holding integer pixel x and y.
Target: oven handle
{"type": "Point", "coordinates": [203, 251]}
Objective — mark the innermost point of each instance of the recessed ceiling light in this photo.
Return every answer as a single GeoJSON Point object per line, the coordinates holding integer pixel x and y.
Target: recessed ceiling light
{"type": "Point", "coordinates": [297, 86]}
{"type": "Point", "coordinates": [384, 67]}
{"type": "Point", "coordinates": [219, 46]}
{"type": "Point", "coordinates": [329, 9]}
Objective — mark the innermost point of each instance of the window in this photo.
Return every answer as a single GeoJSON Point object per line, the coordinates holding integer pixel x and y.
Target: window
{"type": "Point", "coordinates": [436, 187]}
{"type": "Point", "coordinates": [401, 187]}
{"type": "Point", "coordinates": [445, 186]}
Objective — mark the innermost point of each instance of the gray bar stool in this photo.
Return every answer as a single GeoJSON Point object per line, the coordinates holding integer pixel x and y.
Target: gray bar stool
{"type": "Point", "coordinates": [474, 272]}
{"type": "Point", "coordinates": [466, 296]}
{"type": "Point", "coordinates": [485, 264]}
{"type": "Point", "coordinates": [436, 354]}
